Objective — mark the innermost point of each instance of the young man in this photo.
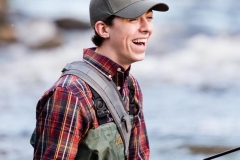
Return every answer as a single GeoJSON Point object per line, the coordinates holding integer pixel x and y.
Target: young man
{"type": "Point", "coordinates": [67, 123]}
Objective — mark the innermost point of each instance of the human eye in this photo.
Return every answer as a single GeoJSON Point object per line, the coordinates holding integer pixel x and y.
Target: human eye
{"type": "Point", "coordinates": [132, 19]}
{"type": "Point", "coordinates": [150, 17]}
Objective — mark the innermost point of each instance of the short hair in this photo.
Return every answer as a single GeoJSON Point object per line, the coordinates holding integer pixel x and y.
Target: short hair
{"type": "Point", "coordinates": [98, 40]}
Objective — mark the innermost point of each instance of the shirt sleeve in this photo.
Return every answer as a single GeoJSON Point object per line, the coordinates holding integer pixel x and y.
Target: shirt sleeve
{"type": "Point", "coordinates": [61, 125]}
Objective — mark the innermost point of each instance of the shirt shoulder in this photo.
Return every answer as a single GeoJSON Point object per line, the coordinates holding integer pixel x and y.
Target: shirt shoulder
{"type": "Point", "coordinates": [73, 84]}
{"type": "Point", "coordinates": [65, 86]}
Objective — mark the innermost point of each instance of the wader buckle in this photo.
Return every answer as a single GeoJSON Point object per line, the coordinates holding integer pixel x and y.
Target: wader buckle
{"type": "Point", "coordinates": [101, 111]}
{"type": "Point", "coordinates": [126, 122]}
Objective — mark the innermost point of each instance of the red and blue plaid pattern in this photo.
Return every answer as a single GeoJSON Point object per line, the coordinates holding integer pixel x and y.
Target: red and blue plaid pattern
{"type": "Point", "coordinates": [65, 113]}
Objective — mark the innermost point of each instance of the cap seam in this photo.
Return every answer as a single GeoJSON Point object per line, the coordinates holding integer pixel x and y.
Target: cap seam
{"type": "Point", "coordinates": [109, 4]}
{"type": "Point", "coordinates": [128, 6]}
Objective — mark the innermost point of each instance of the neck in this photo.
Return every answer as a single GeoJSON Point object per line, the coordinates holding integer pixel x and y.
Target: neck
{"type": "Point", "coordinates": [108, 52]}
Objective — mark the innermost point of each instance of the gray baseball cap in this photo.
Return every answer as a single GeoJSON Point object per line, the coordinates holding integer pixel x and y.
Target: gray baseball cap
{"type": "Point", "coordinates": [102, 9]}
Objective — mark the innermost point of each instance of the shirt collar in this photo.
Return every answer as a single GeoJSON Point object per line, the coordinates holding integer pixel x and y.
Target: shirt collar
{"type": "Point", "coordinates": [105, 65]}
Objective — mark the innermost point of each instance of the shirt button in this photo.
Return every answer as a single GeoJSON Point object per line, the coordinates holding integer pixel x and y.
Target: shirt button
{"type": "Point", "coordinates": [110, 76]}
{"type": "Point", "coordinates": [119, 69]}
{"type": "Point", "coordinates": [118, 87]}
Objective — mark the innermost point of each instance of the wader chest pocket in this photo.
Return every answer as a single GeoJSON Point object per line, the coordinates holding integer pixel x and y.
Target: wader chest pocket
{"type": "Point", "coordinates": [102, 143]}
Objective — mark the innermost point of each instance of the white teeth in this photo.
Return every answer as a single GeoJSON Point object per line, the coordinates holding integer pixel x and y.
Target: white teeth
{"type": "Point", "coordinates": [140, 40]}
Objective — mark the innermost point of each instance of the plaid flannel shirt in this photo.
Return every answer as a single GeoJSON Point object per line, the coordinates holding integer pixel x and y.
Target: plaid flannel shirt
{"type": "Point", "coordinates": [65, 113]}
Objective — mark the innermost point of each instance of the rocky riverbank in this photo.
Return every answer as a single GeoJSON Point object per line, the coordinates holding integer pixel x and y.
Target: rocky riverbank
{"type": "Point", "coordinates": [33, 32]}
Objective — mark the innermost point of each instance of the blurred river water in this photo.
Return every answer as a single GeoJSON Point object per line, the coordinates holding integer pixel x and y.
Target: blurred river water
{"type": "Point", "coordinates": [189, 78]}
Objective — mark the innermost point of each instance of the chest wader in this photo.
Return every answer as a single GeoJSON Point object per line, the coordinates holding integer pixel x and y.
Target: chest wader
{"type": "Point", "coordinates": [110, 141]}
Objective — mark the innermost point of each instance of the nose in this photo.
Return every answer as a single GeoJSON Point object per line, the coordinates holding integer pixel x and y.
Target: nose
{"type": "Point", "coordinates": [146, 25]}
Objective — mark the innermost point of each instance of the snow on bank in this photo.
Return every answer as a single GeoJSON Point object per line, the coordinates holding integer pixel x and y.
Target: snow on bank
{"type": "Point", "coordinates": [204, 61]}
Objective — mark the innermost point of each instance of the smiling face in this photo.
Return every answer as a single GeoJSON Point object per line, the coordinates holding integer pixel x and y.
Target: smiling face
{"type": "Point", "coordinates": [127, 39]}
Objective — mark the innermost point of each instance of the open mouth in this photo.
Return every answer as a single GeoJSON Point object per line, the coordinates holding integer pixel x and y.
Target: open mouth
{"type": "Point", "coordinates": [140, 42]}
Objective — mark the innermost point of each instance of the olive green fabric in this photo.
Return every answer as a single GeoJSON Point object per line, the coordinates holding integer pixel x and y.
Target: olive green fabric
{"type": "Point", "coordinates": [102, 143]}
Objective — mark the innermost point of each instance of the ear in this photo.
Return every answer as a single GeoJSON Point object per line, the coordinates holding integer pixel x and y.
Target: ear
{"type": "Point", "coordinates": [101, 29]}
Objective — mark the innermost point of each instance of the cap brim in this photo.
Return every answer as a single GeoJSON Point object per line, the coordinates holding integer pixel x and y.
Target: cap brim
{"type": "Point", "coordinates": [140, 7]}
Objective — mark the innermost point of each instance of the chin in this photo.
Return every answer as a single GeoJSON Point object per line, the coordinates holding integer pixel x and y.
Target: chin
{"type": "Point", "coordinates": [139, 57]}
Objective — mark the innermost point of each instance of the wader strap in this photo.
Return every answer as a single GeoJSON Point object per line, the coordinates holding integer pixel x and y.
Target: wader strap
{"type": "Point", "coordinates": [109, 93]}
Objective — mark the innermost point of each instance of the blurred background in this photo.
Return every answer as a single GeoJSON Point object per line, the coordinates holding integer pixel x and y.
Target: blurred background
{"type": "Point", "coordinates": [190, 76]}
